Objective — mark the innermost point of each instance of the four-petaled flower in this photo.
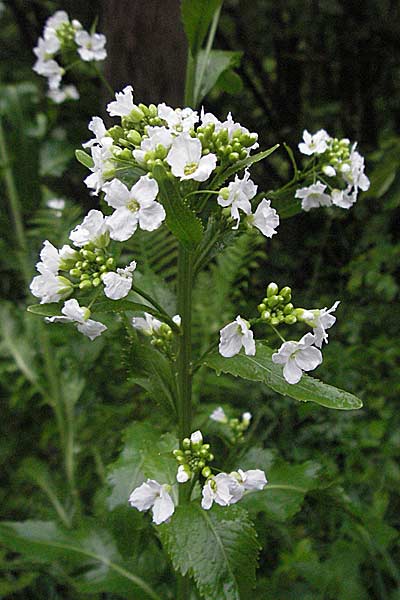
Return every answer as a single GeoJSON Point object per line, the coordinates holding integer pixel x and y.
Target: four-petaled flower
{"type": "Point", "coordinates": [93, 228]}
{"type": "Point", "coordinates": [152, 494]}
{"type": "Point", "coordinates": [118, 284]}
{"type": "Point", "coordinates": [235, 335]}
{"type": "Point", "coordinates": [321, 320]}
{"type": "Point", "coordinates": [314, 144]}
{"type": "Point", "coordinates": [91, 47]}
{"type": "Point", "coordinates": [298, 357]}
{"type": "Point", "coordinates": [133, 207]}
{"type": "Point", "coordinates": [186, 161]}
{"type": "Point", "coordinates": [73, 313]}
{"type": "Point", "coordinates": [219, 415]}
{"type": "Point", "coordinates": [123, 104]}
{"type": "Point", "coordinates": [313, 196]}
{"type": "Point", "coordinates": [266, 219]}
{"type": "Point", "coordinates": [237, 195]}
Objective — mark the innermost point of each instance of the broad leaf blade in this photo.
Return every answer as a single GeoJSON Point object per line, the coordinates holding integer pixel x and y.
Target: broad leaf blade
{"type": "Point", "coordinates": [218, 548]}
{"type": "Point", "coordinates": [181, 220]}
{"type": "Point", "coordinates": [196, 17]}
{"type": "Point", "coordinates": [261, 368]}
{"type": "Point", "coordinates": [218, 62]}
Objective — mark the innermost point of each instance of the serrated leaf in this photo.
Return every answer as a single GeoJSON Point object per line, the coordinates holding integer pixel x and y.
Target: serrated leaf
{"type": "Point", "coordinates": [89, 547]}
{"type": "Point", "coordinates": [261, 368]}
{"type": "Point", "coordinates": [218, 62]}
{"type": "Point", "coordinates": [218, 548]}
{"type": "Point", "coordinates": [181, 220]}
{"type": "Point", "coordinates": [84, 158]}
{"type": "Point", "coordinates": [196, 18]}
{"type": "Point", "coordinates": [146, 453]}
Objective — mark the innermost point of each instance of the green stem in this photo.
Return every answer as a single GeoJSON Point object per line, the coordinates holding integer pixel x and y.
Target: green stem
{"type": "Point", "coordinates": [103, 79]}
{"type": "Point", "coordinates": [184, 366]}
{"type": "Point", "coordinates": [210, 41]}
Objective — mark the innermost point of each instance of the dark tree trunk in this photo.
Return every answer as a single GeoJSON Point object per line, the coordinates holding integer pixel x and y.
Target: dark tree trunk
{"type": "Point", "coordinates": [147, 48]}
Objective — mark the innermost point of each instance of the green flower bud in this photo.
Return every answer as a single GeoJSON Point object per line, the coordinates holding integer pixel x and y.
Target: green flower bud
{"type": "Point", "coordinates": [75, 273]}
{"type": "Point", "coordinates": [100, 260]}
{"type": "Point", "coordinates": [136, 115]}
{"type": "Point", "coordinates": [181, 459]}
{"type": "Point", "coordinates": [290, 319]}
{"type": "Point", "coordinates": [234, 156]}
{"type": "Point", "coordinates": [204, 452]}
{"type": "Point", "coordinates": [243, 154]}
{"type": "Point", "coordinates": [134, 137]}
{"type": "Point", "coordinates": [85, 264]}
{"type": "Point", "coordinates": [153, 112]}
{"type": "Point", "coordinates": [261, 307]}
{"type": "Point", "coordinates": [272, 289]}
{"type": "Point", "coordinates": [201, 464]}
{"type": "Point", "coordinates": [224, 192]}
{"type": "Point", "coordinates": [275, 321]}
{"type": "Point", "coordinates": [177, 452]}
{"type": "Point", "coordinates": [86, 284]}
{"type": "Point", "coordinates": [186, 444]}
{"type": "Point", "coordinates": [288, 309]}
{"type": "Point", "coordinates": [206, 472]}
{"type": "Point", "coordinates": [89, 255]}
{"type": "Point", "coordinates": [110, 262]}
{"type": "Point", "coordinates": [206, 446]}
{"type": "Point", "coordinates": [266, 315]}
{"type": "Point", "coordinates": [273, 301]}
{"type": "Point", "coordinates": [78, 264]}
{"type": "Point", "coordinates": [85, 276]}
{"type": "Point", "coordinates": [96, 282]}
{"type": "Point", "coordinates": [211, 457]}
{"type": "Point", "coordinates": [103, 269]}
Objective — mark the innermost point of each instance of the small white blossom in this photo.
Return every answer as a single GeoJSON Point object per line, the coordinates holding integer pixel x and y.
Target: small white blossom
{"type": "Point", "coordinates": [148, 325]}
{"type": "Point", "coordinates": [73, 313]}
{"type": "Point", "coordinates": [52, 259]}
{"type": "Point", "coordinates": [92, 229]}
{"type": "Point", "coordinates": [356, 175]}
{"type": "Point", "coordinates": [298, 357]}
{"type": "Point", "coordinates": [182, 475]}
{"type": "Point", "coordinates": [133, 208]}
{"type": "Point", "coordinates": [321, 320]}
{"type": "Point", "coordinates": [153, 495]}
{"type": "Point", "coordinates": [219, 415]}
{"type": "Point", "coordinates": [101, 162]}
{"type": "Point", "coordinates": [266, 219]}
{"type": "Point", "coordinates": [252, 480]}
{"type": "Point", "coordinates": [54, 22]}
{"type": "Point", "coordinates": [235, 335]}
{"type": "Point", "coordinates": [217, 489]}
{"type": "Point", "coordinates": [178, 119]}
{"type": "Point", "coordinates": [186, 161]}
{"type": "Point", "coordinates": [343, 198]}
{"type": "Point", "coordinates": [235, 129]}
{"type": "Point", "coordinates": [123, 104]}
{"type": "Point", "coordinates": [237, 195]}
{"type": "Point", "coordinates": [97, 126]}
{"type": "Point", "coordinates": [50, 287]}
{"type": "Point", "coordinates": [207, 118]}
{"type": "Point", "coordinates": [313, 196]}
{"type": "Point", "coordinates": [314, 144]}
{"type": "Point", "coordinates": [157, 136]}
{"type": "Point", "coordinates": [45, 50]}
{"type": "Point", "coordinates": [66, 92]}
{"type": "Point", "coordinates": [118, 284]}
{"type": "Point", "coordinates": [91, 47]}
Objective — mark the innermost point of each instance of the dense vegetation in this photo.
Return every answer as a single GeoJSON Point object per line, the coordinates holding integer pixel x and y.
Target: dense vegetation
{"type": "Point", "coordinates": [333, 533]}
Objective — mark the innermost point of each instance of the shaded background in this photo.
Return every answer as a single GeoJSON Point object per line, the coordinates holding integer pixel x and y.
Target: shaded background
{"type": "Point", "coordinates": [305, 64]}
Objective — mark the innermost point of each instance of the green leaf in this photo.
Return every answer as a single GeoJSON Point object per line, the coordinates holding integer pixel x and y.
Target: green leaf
{"type": "Point", "coordinates": [218, 548]}
{"type": "Point", "coordinates": [84, 158]}
{"type": "Point", "coordinates": [196, 17]}
{"type": "Point", "coordinates": [287, 485]}
{"type": "Point", "coordinates": [230, 82]}
{"type": "Point", "coordinates": [181, 220]}
{"type": "Point", "coordinates": [218, 62]}
{"type": "Point", "coordinates": [146, 453]}
{"type": "Point", "coordinates": [261, 368]}
{"type": "Point", "coordinates": [90, 551]}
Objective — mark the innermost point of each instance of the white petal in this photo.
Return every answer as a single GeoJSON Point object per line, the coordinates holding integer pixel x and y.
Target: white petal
{"type": "Point", "coordinates": [143, 497]}
{"type": "Point", "coordinates": [309, 358]}
{"type": "Point", "coordinates": [291, 372]}
{"type": "Point", "coordinates": [230, 340]}
{"type": "Point", "coordinates": [116, 286]}
{"type": "Point", "coordinates": [73, 311]}
{"type": "Point", "coordinates": [254, 479]}
{"type": "Point", "coordinates": [196, 437]}
{"type": "Point", "coordinates": [151, 217]}
{"type": "Point", "coordinates": [145, 190]}
{"type": "Point", "coordinates": [219, 415]}
{"type": "Point", "coordinates": [206, 166]}
{"type": "Point", "coordinates": [208, 496]}
{"type": "Point", "coordinates": [182, 476]}
{"type": "Point", "coordinates": [163, 508]}
{"type": "Point", "coordinates": [92, 329]}
{"type": "Point", "coordinates": [122, 224]}
{"type": "Point", "coordinates": [117, 194]}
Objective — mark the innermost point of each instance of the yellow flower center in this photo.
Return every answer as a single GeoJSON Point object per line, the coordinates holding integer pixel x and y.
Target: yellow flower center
{"type": "Point", "coordinates": [190, 168]}
{"type": "Point", "coordinates": [133, 205]}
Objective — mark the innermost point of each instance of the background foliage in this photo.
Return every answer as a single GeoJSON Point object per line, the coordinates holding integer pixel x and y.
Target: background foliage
{"type": "Point", "coordinates": [330, 530]}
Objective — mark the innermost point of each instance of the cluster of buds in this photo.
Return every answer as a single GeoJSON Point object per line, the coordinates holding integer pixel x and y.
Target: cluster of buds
{"type": "Point", "coordinates": [228, 148]}
{"type": "Point", "coordinates": [160, 333]}
{"type": "Point", "coordinates": [193, 458]}
{"type": "Point", "coordinates": [276, 307]}
{"type": "Point", "coordinates": [237, 427]}
{"type": "Point", "coordinates": [337, 157]}
{"type": "Point", "coordinates": [90, 268]}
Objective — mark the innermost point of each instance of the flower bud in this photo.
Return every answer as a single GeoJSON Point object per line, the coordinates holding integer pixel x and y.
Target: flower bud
{"type": "Point", "coordinates": [75, 273]}
{"type": "Point", "coordinates": [206, 472]}
{"type": "Point", "coordinates": [136, 115]}
{"type": "Point", "coordinates": [266, 315]}
{"type": "Point", "coordinates": [288, 309]}
{"type": "Point", "coordinates": [86, 284]}
{"type": "Point", "coordinates": [290, 319]}
{"type": "Point", "coordinates": [272, 289]}
{"type": "Point", "coordinates": [186, 444]}
{"type": "Point", "coordinates": [96, 282]}
{"type": "Point", "coordinates": [134, 137]}
{"type": "Point", "coordinates": [261, 307]}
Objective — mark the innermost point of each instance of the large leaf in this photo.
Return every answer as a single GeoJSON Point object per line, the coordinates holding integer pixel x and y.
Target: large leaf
{"type": "Point", "coordinates": [287, 485]}
{"type": "Point", "coordinates": [210, 69]}
{"type": "Point", "coordinates": [145, 453]}
{"type": "Point", "coordinates": [89, 550]}
{"type": "Point", "coordinates": [181, 220]}
{"type": "Point", "coordinates": [218, 548]}
{"type": "Point", "coordinates": [196, 18]}
{"type": "Point", "coordinates": [261, 368]}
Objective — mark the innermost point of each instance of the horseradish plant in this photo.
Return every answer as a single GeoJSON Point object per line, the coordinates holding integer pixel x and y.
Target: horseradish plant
{"type": "Point", "coordinates": [190, 171]}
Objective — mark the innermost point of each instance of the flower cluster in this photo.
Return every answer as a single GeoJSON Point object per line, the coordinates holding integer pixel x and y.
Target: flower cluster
{"type": "Point", "coordinates": [277, 309]}
{"type": "Point", "coordinates": [160, 333]}
{"type": "Point", "coordinates": [190, 147]}
{"type": "Point", "coordinates": [237, 427]}
{"type": "Point", "coordinates": [337, 170]}
{"type": "Point", "coordinates": [64, 39]}
{"type": "Point", "coordinates": [223, 489]}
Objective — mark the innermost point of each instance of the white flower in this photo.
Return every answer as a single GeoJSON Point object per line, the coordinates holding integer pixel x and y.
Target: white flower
{"type": "Point", "coordinates": [148, 325]}
{"type": "Point", "coordinates": [237, 195]}
{"type": "Point", "coordinates": [313, 196]}
{"type": "Point", "coordinates": [153, 495]}
{"type": "Point", "coordinates": [254, 479]}
{"type": "Point", "coordinates": [50, 287]}
{"type": "Point", "coordinates": [54, 22]}
{"type": "Point", "coordinates": [321, 320]}
{"type": "Point", "coordinates": [235, 335]}
{"type": "Point", "coordinates": [196, 438]}
{"type": "Point", "coordinates": [186, 161]}
{"type": "Point", "coordinates": [178, 119]}
{"type": "Point", "coordinates": [314, 144]}
{"type": "Point", "coordinates": [45, 50]}
{"type": "Point", "coordinates": [356, 175]}
{"type": "Point", "coordinates": [123, 104]}
{"type": "Point", "coordinates": [298, 357]}
{"type": "Point", "coordinates": [207, 118]}
{"type": "Point", "coordinates": [182, 475]}
{"type": "Point", "coordinates": [266, 219]}
{"type": "Point", "coordinates": [60, 95]}
{"type": "Point", "coordinates": [235, 129]}
{"type": "Point", "coordinates": [92, 229]}
{"type": "Point", "coordinates": [50, 69]}
{"type": "Point", "coordinates": [52, 259]}
{"type": "Point", "coordinates": [157, 136]}
{"type": "Point", "coordinates": [219, 415]}
{"type": "Point", "coordinates": [91, 47]}
{"type": "Point", "coordinates": [97, 126]}
{"type": "Point", "coordinates": [118, 284]}
{"type": "Point", "coordinates": [133, 207]}
{"type": "Point", "coordinates": [343, 198]}
{"type": "Point", "coordinates": [80, 316]}
{"type": "Point", "coordinates": [101, 156]}
{"type": "Point", "coordinates": [217, 489]}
